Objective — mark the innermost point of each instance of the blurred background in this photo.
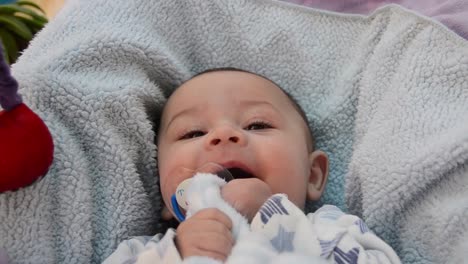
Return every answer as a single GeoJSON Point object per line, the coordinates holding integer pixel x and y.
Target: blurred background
{"type": "Point", "coordinates": [51, 7]}
{"type": "Point", "coordinates": [20, 20]}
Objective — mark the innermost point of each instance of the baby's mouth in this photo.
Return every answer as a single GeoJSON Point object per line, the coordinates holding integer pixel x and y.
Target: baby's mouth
{"type": "Point", "coordinates": [178, 202]}
{"type": "Point", "coordinates": [238, 173]}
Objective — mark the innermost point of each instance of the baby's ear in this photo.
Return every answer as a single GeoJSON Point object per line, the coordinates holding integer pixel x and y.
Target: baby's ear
{"type": "Point", "coordinates": [166, 214]}
{"type": "Point", "coordinates": [318, 174]}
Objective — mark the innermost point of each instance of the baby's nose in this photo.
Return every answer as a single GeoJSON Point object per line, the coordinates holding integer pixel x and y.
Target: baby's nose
{"type": "Point", "coordinates": [226, 135]}
{"type": "Point", "coordinates": [216, 141]}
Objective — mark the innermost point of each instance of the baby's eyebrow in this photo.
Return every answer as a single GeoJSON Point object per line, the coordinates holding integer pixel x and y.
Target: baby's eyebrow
{"type": "Point", "coordinates": [247, 103]}
{"type": "Point", "coordinates": [186, 111]}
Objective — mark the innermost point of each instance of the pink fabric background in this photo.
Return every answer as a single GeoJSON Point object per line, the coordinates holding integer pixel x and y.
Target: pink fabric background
{"type": "Point", "coordinates": [452, 13]}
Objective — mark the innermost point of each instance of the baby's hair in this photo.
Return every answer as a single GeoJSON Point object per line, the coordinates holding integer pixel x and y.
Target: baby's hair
{"type": "Point", "coordinates": [291, 99]}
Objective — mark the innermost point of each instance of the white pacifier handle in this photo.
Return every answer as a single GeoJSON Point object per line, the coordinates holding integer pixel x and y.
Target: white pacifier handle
{"type": "Point", "coordinates": [180, 193]}
{"type": "Point", "coordinates": [179, 199]}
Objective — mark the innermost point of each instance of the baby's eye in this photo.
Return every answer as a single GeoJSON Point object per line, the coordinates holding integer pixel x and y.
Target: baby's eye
{"type": "Point", "coordinates": [192, 134]}
{"type": "Point", "coordinates": [258, 125]}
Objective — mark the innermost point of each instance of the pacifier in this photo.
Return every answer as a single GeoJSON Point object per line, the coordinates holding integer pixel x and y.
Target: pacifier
{"type": "Point", "coordinates": [179, 199]}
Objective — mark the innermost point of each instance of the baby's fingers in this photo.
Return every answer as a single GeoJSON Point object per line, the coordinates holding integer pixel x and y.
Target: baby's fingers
{"type": "Point", "coordinates": [206, 233]}
{"type": "Point", "coordinates": [214, 245]}
{"type": "Point", "coordinates": [216, 215]}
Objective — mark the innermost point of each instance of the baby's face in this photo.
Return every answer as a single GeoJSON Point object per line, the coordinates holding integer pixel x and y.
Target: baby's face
{"type": "Point", "coordinates": [242, 122]}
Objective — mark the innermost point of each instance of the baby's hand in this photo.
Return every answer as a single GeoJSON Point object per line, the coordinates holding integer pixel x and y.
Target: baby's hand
{"type": "Point", "coordinates": [207, 233]}
{"type": "Point", "coordinates": [246, 195]}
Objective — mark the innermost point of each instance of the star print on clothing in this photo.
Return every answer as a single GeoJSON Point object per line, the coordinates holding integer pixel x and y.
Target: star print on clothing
{"type": "Point", "coordinates": [271, 207]}
{"type": "Point", "coordinates": [283, 241]}
{"type": "Point", "coordinates": [329, 245]}
{"type": "Point", "coordinates": [350, 257]}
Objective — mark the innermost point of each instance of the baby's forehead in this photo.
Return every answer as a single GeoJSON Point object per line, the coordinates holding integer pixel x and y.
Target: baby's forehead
{"type": "Point", "coordinates": [230, 85]}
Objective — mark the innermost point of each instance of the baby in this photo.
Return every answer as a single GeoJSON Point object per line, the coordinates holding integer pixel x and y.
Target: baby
{"type": "Point", "coordinates": [250, 126]}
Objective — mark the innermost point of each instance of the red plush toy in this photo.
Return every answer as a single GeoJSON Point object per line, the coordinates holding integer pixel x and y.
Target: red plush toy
{"type": "Point", "coordinates": [26, 146]}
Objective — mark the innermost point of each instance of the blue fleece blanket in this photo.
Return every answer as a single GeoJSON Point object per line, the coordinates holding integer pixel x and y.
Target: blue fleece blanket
{"type": "Point", "coordinates": [386, 96]}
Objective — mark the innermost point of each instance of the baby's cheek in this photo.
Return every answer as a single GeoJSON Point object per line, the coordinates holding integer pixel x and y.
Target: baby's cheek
{"type": "Point", "coordinates": [166, 187]}
{"type": "Point", "coordinates": [246, 195]}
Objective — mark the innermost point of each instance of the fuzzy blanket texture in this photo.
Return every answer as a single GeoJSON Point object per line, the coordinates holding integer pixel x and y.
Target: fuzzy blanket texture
{"type": "Point", "coordinates": [386, 96]}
